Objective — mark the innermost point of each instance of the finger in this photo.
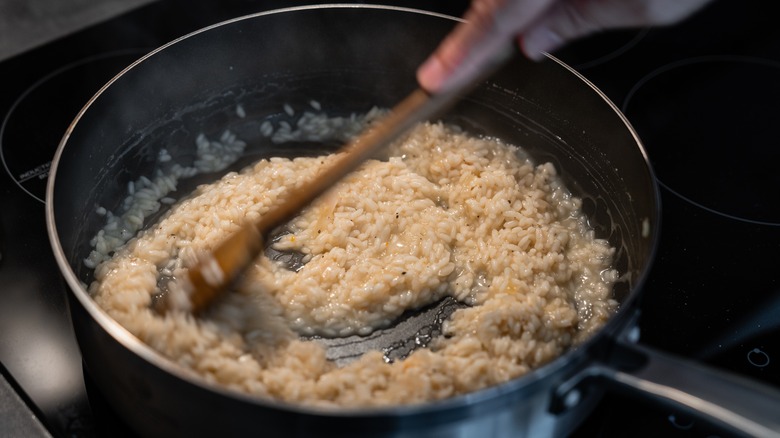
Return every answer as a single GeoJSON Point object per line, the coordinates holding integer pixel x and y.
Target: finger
{"type": "Point", "coordinates": [456, 45]}
{"type": "Point", "coordinates": [485, 18]}
{"type": "Point", "coordinates": [564, 22]}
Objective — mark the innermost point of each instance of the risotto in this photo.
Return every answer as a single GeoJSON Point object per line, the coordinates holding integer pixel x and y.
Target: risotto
{"type": "Point", "coordinates": [443, 214]}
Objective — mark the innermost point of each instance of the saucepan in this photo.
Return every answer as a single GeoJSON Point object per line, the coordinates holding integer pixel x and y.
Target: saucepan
{"type": "Point", "coordinates": [348, 59]}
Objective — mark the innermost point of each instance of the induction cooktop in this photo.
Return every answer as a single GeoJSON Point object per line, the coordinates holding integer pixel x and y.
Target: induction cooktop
{"type": "Point", "coordinates": [703, 95]}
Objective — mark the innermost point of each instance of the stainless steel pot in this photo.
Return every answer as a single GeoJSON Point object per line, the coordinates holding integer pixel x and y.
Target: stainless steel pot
{"type": "Point", "coordinates": [350, 58]}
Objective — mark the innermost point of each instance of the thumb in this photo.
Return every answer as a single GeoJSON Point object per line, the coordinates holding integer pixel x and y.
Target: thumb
{"type": "Point", "coordinates": [564, 22]}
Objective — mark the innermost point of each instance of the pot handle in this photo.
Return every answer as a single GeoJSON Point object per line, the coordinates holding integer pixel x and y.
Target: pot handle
{"type": "Point", "coordinates": [736, 404]}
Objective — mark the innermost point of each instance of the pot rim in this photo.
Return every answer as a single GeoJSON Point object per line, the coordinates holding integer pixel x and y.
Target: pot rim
{"type": "Point", "coordinates": [616, 323]}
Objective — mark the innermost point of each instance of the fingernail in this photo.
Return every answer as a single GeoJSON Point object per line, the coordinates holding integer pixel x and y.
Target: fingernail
{"type": "Point", "coordinates": [431, 74]}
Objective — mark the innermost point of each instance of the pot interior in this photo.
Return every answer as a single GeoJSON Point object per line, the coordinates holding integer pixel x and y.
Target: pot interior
{"type": "Point", "coordinates": [238, 75]}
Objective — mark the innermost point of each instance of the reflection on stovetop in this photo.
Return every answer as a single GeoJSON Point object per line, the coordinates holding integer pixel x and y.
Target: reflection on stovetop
{"type": "Point", "coordinates": [702, 95]}
{"type": "Point", "coordinates": [22, 124]}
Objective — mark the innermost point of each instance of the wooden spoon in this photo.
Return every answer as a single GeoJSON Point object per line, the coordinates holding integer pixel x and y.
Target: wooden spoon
{"type": "Point", "coordinates": [218, 269]}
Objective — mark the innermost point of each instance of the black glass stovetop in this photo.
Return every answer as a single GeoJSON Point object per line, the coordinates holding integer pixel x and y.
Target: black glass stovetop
{"type": "Point", "coordinates": [703, 95]}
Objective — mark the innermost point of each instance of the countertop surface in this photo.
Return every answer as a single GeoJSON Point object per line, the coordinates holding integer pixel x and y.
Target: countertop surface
{"type": "Point", "coordinates": [16, 418]}
{"type": "Point", "coordinates": [31, 23]}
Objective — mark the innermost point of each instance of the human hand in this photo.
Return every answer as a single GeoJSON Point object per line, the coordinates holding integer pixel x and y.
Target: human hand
{"type": "Point", "coordinates": [538, 26]}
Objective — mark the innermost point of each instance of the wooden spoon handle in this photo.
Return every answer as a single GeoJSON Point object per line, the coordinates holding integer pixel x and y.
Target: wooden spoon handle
{"type": "Point", "coordinates": [390, 127]}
